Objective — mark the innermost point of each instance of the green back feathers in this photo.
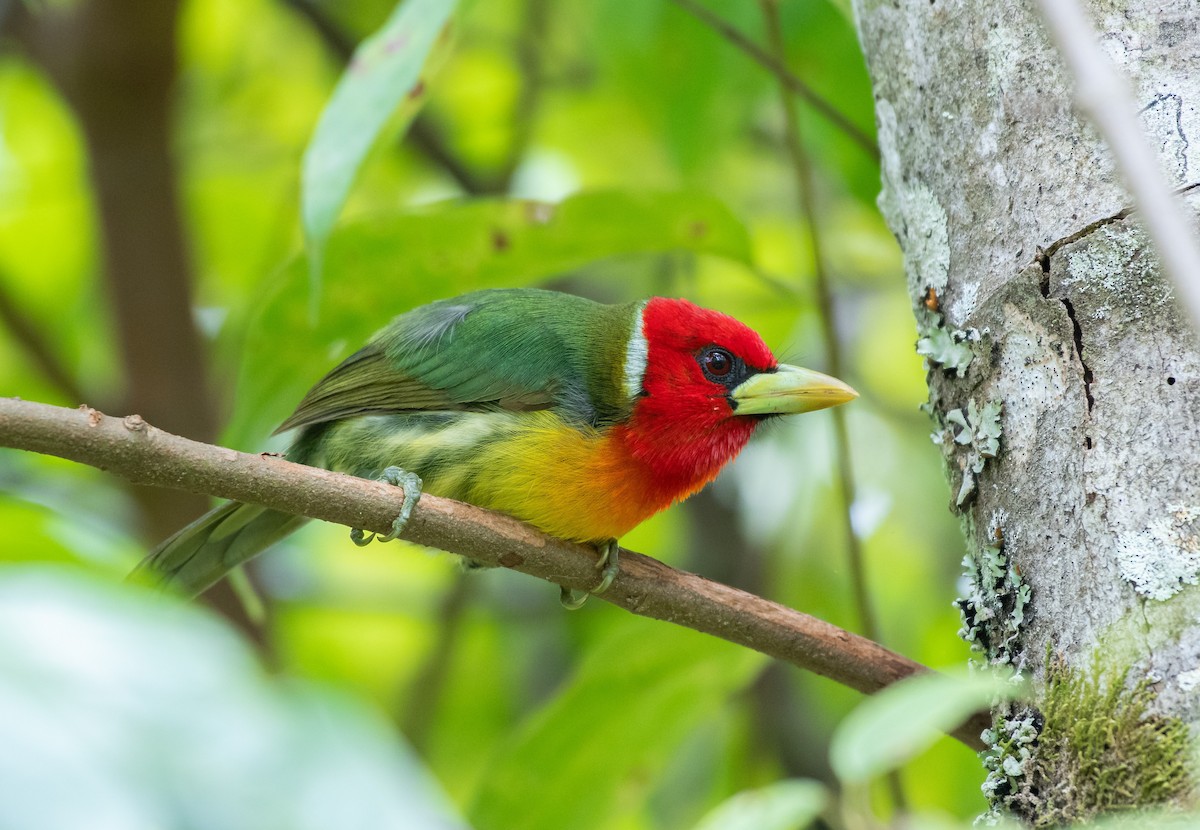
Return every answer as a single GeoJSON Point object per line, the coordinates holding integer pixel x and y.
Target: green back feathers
{"type": "Point", "coordinates": [510, 349]}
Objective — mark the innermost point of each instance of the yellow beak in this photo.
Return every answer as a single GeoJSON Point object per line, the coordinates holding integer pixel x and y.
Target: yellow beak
{"type": "Point", "coordinates": [789, 390]}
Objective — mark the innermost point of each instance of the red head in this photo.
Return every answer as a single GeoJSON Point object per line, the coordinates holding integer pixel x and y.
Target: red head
{"type": "Point", "coordinates": [684, 424]}
{"type": "Point", "coordinates": [701, 383]}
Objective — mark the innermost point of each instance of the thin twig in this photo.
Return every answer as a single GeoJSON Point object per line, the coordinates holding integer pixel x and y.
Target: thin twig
{"type": "Point", "coordinates": [131, 448]}
{"type": "Point", "coordinates": [426, 690]}
{"type": "Point", "coordinates": [37, 347]}
{"type": "Point", "coordinates": [427, 138]}
{"type": "Point", "coordinates": [335, 38]}
{"type": "Point", "coordinates": [6, 6]}
{"type": "Point", "coordinates": [777, 68]}
{"type": "Point", "coordinates": [833, 351]}
{"type": "Point", "coordinates": [1104, 95]}
{"type": "Point", "coordinates": [423, 134]}
{"type": "Point", "coordinates": [528, 56]}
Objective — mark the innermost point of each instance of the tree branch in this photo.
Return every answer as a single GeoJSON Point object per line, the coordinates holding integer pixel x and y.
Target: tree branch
{"type": "Point", "coordinates": [134, 450]}
{"type": "Point", "coordinates": [779, 70]}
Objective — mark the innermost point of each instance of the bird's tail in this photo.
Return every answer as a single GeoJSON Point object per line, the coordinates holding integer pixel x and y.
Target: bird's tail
{"type": "Point", "coordinates": [213, 545]}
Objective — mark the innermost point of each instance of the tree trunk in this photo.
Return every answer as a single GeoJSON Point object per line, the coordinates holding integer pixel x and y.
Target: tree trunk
{"type": "Point", "coordinates": [1064, 380]}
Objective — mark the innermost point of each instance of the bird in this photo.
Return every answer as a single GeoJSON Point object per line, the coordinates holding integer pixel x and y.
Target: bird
{"type": "Point", "coordinates": [580, 418]}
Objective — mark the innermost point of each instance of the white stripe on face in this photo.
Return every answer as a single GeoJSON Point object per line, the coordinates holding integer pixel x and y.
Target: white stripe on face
{"type": "Point", "coordinates": [635, 356]}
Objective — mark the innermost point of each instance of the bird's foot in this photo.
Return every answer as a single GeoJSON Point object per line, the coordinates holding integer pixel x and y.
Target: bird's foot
{"type": "Point", "coordinates": [608, 566]}
{"type": "Point", "coordinates": [411, 484]}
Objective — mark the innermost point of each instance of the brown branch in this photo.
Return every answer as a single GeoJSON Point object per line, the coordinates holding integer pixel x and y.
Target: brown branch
{"type": "Point", "coordinates": [131, 448]}
{"type": "Point", "coordinates": [773, 65]}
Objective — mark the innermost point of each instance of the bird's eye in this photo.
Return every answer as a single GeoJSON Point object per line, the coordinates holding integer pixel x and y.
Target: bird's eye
{"type": "Point", "coordinates": [717, 363]}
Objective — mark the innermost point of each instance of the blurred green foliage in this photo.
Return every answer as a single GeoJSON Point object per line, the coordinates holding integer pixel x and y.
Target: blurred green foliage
{"type": "Point", "coordinates": [123, 709]}
{"type": "Point", "coordinates": [386, 79]}
{"type": "Point", "coordinates": [647, 159]}
{"type": "Point", "coordinates": [893, 726]}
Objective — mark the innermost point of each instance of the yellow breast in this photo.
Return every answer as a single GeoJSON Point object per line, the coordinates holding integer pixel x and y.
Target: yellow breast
{"type": "Point", "coordinates": [579, 485]}
{"type": "Point", "coordinates": [582, 485]}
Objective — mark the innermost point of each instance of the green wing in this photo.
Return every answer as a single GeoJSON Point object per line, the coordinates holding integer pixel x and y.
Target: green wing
{"type": "Point", "coordinates": [514, 349]}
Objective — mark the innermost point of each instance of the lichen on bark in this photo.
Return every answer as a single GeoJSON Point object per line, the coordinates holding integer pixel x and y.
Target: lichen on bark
{"type": "Point", "coordinates": [993, 610]}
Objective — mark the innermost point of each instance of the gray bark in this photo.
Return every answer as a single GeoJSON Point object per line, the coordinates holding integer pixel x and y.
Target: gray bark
{"type": "Point", "coordinates": [1095, 488]}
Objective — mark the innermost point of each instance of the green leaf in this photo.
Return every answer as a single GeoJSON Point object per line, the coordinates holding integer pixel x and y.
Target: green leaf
{"type": "Point", "coordinates": [386, 70]}
{"type": "Point", "coordinates": [784, 805]}
{"type": "Point", "coordinates": [614, 725]}
{"type": "Point", "coordinates": [378, 268]}
{"type": "Point", "coordinates": [1168, 819]}
{"type": "Point", "coordinates": [121, 708]}
{"type": "Point", "coordinates": [907, 718]}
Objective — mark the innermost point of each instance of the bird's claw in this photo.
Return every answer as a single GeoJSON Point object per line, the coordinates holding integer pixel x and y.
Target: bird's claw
{"type": "Point", "coordinates": [411, 484]}
{"type": "Point", "coordinates": [573, 599]}
{"type": "Point", "coordinates": [608, 565]}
